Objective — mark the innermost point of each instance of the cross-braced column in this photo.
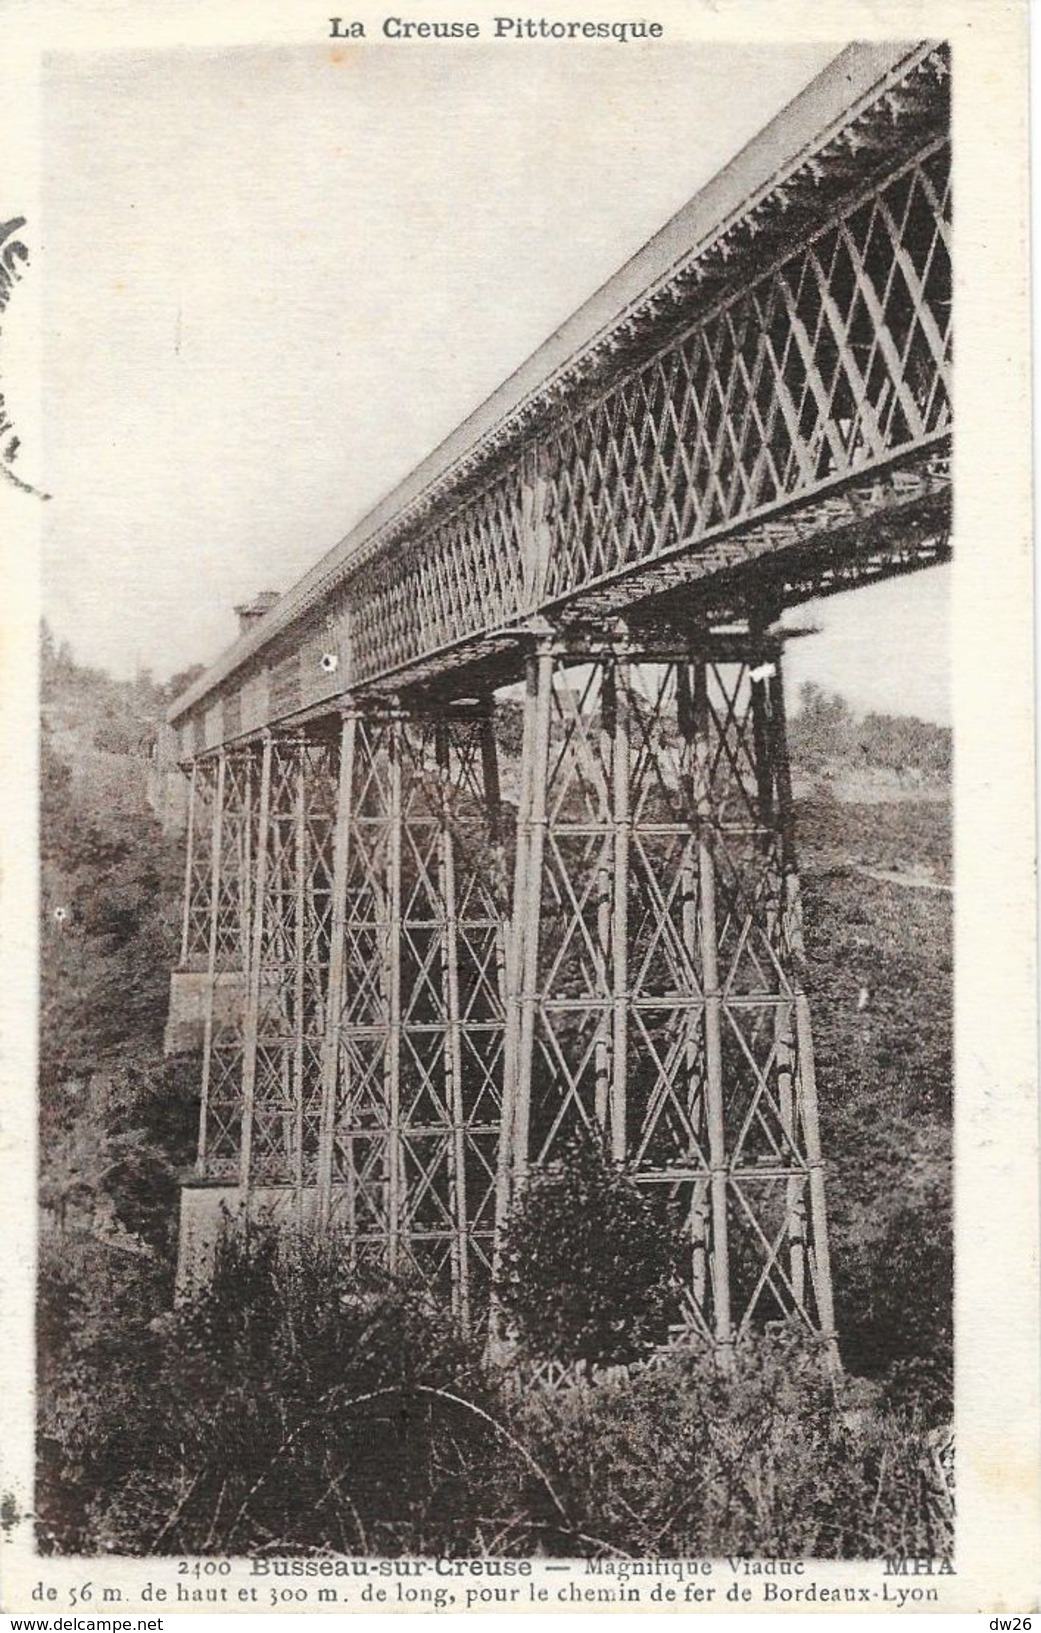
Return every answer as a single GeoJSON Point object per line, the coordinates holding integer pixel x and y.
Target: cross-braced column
{"type": "Point", "coordinates": [209, 992]}
{"type": "Point", "coordinates": [232, 855]}
{"type": "Point", "coordinates": [412, 1064]}
{"type": "Point", "coordinates": [656, 993]}
{"type": "Point", "coordinates": [286, 1000]}
{"type": "Point", "coordinates": [195, 921]}
{"type": "Point", "coordinates": [264, 813]}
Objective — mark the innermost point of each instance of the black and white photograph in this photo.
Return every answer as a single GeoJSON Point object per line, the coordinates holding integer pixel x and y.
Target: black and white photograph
{"type": "Point", "coordinates": [514, 1116]}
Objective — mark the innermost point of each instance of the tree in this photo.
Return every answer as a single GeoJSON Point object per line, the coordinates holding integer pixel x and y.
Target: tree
{"type": "Point", "coordinates": [824, 727]}
{"type": "Point", "coordinates": [181, 681]}
{"type": "Point", "coordinates": [589, 1270]}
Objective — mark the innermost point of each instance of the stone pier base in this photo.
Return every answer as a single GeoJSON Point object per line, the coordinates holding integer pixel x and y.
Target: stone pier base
{"type": "Point", "coordinates": [209, 1211]}
{"type": "Point", "coordinates": [189, 997]}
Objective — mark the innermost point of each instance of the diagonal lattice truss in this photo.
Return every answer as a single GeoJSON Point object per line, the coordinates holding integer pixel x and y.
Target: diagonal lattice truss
{"type": "Point", "coordinates": [657, 998]}
{"type": "Point", "coordinates": [822, 367]}
{"type": "Point", "coordinates": [831, 364]}
{"type": "Point", "coordinates": [415, 1057]}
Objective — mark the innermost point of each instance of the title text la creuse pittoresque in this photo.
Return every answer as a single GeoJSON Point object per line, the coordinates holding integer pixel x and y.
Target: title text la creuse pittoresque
{"type": "Point", "coordinates": [498, 28]}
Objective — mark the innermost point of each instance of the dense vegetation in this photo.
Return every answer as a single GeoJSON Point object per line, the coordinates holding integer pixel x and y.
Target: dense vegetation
{"type": "Point", "coordinates": [116, 1118]}
{"type": "Point", "coordinates": [825, 732]}
{"type": "Point", "coordinates": [291, 1409]}
{"type": "Point", "coordinates": [588, 1272]}
{"type": "Point", "coordinates": [294, 1408]}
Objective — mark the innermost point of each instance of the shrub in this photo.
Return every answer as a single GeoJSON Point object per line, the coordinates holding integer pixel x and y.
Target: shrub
{"type": "Point", "coordinates": [589, 1269]}
{"type": "Point", "coordinates": [293, 1406]}
{"type": "Point", "coordinates": [93, 1346]}
{"type": "Point", "coordinates": [895, 1307]}
{"type": "Point", "coordinates": [772, 1459]}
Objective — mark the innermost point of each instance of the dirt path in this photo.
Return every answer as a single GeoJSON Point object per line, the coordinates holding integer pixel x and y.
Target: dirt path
{"type": "Point", "coordinates": [910, 881]}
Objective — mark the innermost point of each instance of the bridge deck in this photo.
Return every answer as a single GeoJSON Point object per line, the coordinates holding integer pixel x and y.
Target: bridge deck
{"type": "Point", "coordinates": [756, 407]}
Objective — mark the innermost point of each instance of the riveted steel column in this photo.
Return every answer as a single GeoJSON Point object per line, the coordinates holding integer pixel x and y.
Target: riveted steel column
{"type": "Point", "coordinates": [453, 1045]}
{"type": "Point", "coordinates": [529, 906]}
{"type": "Point", "coordinates": [211, 959]}
{"type": "Point", "coordinates": [504, 941]}
{"type": "Point", "coordinates": [299, 960]}
{"type": "Point", "coordinates": [331, 1051]}
{"type": "Point", "coordinates": [768, 735]}
{"type": "Point", "coordinates": [714, 1088]}
{"type": "Point", "coordinates": [820, 1261]}
{"type": "Point", "coordinates": [392, 988]}
{"type": "Point", "coordinates": [188, 863]}
{"type": "Point", "coordinates": [512, 964]}
{"type": "Point", "coordinates": [246, 870]}
{"type": "Point", "coordinates": [252, 1023]}
{"type": "Point", "coordinates": [606, 927]}
{"type": "Point", "coordinates": [493, 814]}
{"type": "Point", "coordinates": [693, 1018]}
{"type": "Point", "coordinates": [622, 825]}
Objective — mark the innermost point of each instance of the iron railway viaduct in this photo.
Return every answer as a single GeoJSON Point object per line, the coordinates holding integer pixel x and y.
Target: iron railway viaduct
{"type": "Point", "coordinates": [490, 833]}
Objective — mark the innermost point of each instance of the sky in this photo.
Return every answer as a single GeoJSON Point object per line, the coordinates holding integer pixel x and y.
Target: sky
{"type": "Point", "coordinates": [275, 278]}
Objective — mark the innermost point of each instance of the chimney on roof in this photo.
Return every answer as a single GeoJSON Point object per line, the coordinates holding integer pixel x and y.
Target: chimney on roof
{"type": "Point", "coordinates": [251, 612]}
